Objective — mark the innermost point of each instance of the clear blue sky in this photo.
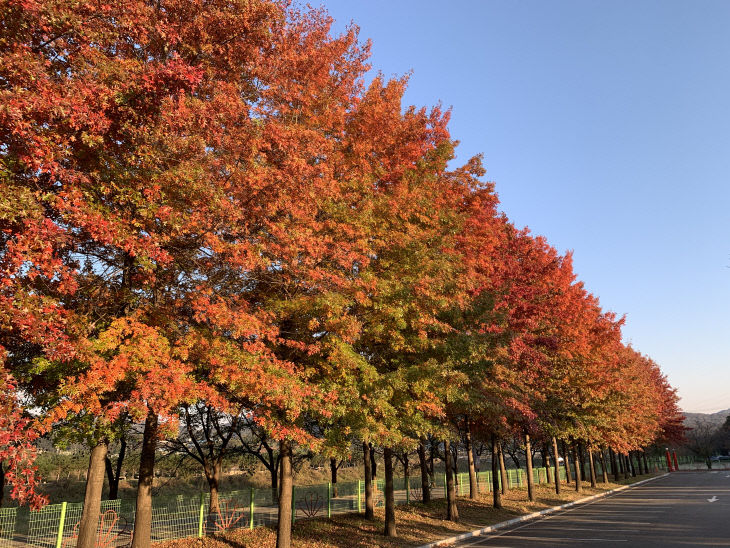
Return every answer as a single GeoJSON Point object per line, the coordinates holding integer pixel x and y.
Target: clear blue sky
{"type": "Point", "coordinates": [606, 127]}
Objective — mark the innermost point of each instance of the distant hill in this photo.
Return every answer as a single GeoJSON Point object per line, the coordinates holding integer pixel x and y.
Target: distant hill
{"type": "Point", "coordinates": [715, 419]}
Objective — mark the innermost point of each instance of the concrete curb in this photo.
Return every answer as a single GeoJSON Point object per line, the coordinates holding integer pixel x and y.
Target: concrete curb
{"type": "Point", "coordinates": [527, 517]}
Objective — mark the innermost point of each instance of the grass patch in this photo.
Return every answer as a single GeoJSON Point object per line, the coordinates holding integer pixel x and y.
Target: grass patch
{"type": "Point", "coordinates": [416, 523]}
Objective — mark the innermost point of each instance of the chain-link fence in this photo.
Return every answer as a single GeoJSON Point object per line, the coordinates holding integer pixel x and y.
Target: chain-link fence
{"type": "Point", "coordinates": [56, 525]}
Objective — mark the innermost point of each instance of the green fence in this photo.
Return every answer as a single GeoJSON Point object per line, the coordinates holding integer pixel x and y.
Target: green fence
{"type": "Point", "coordinates": [56, 525]}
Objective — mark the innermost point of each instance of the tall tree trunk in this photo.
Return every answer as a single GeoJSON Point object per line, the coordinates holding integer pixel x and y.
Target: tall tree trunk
{"type": "Point", "coordinates": [473, 487]}
{"type": "Point", "coordinates": [286, 506]}
{"type": "Point", "coordinates": [142, 535]}
{"type": "Point", "coordinates": [576, 463]}
{"type": "Point", "coordinates": [614, 464]}
{"type": "Point", "coordinates": [502, 468]}
{"type": "Point", "coordinates": [646, 464]}
{"type": "Point", "coordinates": [333, 475]}
{"type": "Point", "coordinates": [496, 491]}
{"type": "Point", "coordinates": [273, 469]}
{"type": "Point", "coordinates": [530, 477]}
{"type": "Point", "coordinates": [213, 476]}
{"type": "Point", "coordinates": [639, 463]}
{"type": "Point", "coordinates": [631, 465]}
{"type": "Point", "coordinates": [566, 464]}
{"type": "Point", "coordinates": [369, 498]}
{"type": "Point", "coordinates": [373, 462]}
{"type": "Point", "coordinates": [389, 495]}
{"type": "Point", "coordinates": [425, 482]}
{"type": "Point", "coordinates": [89, 524]}
{"type": "Point", "coordinates": [592, 466]}
{"type": "Point", "coordinates": [556, 456]}
{"type": "Point", "coordinates": [612, 461]}
{"type": "Point", "coordinates": [452, 512]}
{"type": "Point", "coordinates": [627, 466]}
{"type": "Point", "coordinates": [604, 468]}
{"type": "Point", "coordinates": [112, 477]}
{"type": "Point", "coordinates": [582, 457]}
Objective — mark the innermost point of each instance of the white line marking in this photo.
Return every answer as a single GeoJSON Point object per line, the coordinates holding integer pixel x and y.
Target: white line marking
{"type": "Point", "coordinates": [524, 537]}
{"type": "Point", "coordinates": [713, 499]}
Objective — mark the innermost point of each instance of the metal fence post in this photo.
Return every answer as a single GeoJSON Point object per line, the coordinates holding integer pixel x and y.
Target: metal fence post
{"type": "Point", "coordinates": [251, 509]}
{"type": "Point", "coordinates": [61, 523]}
{"type": "Point", "coordinates": [201, 515]}
{"type": "Point", "coordinates": [329, 499]}
{"type": "Point", "coordinates": [293, 505]}
{"type": "Point", "coordinates": [408, 490]}
{"type": "Point", "coordinates": [359, 496]}
{"type": "Point", "coordinates": [446, 487]}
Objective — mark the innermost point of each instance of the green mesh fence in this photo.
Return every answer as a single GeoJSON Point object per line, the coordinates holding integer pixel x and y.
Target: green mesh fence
{"type": "Point", "coordinates": [191, 516]}
{"type": "Point", "coordinates": [343, 497]}
{"type": "Point", "coordinates": [8, 518]}
{"type": "Point", "coordinates": [44, 524]}
{"type": "Point", "coordinates": [177, 517]}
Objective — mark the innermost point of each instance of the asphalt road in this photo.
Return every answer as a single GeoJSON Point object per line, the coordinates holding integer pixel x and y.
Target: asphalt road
{"type": "Point", "coordinates": [681, 509]}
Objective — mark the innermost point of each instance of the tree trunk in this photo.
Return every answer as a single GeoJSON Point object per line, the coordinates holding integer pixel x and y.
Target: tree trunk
{"type": "Point", "coordinates": [373, 462]}
{"type": "Point", "coordinates": [646, 464]}
{"type": "Point", "coordinates": [496, 492]}
{"type": "Point", "coordinates": [389, 495]}
{"type": "Point", "coordinates": [576, 463]}
{"type": "Point", "coordinates": [614, 464]}
{"type": "Point", "coordinates": [333, 474]}
{"type": "Point", "coordinates": [566, 463]}
{"type": "Point", "coordinates": [556, 455]}
{"type": "Point", "coordinates": [452, 512]}
{"type": "Point", "coordinates": [530, 477]}
{"type": "Point", "coordinates": [592, 466]}
{"type": "Point", "coordinates": [213, 475]}
{"type": "Point", "coordinates": [89, 524]}
{"type": "Point", "coordinates": [639, 463]}
{"type": "Point", "coordinates": [631, 465]}
{"type": "Point", "coordinates": [502, 468]}
{"type": "Point", "coordinates": [612, 461]}
{"type": "Point", "coordinates": [286, 506]}
{"type": "Point", "coordinates": [112, 477]}
{"type": "Point", "coordinates": [425, 483]}
{"type": "Point", "coordinates": [142, 534]}
{"type": "Point", "coordinates": [582, 457]}
{"type": "Point", "coordinates": [273, 469]}
{"type": "Point", "coordinates": [369, 499]}
{"type": "Point", "coordinates": [473, 487]}
{"type": "Point", "coordinates": [604, 468]}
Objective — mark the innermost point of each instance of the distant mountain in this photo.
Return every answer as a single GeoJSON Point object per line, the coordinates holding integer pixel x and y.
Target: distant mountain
{"type": "Point", "coordinates": [715, 419]}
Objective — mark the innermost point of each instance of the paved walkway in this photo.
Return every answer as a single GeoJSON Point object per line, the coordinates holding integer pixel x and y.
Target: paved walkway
{"type": "Point", "coordinates": [680, 510]}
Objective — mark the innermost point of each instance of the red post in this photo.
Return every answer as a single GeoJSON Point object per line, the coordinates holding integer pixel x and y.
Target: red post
{"type": "Point", "coordinates": [676, 466]}
{"type": "Point", "coordinates": [669, 461]}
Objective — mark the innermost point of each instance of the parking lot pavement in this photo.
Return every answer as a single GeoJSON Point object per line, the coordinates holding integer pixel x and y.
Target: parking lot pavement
{"type": "Point", "coordinates": [681, 509]}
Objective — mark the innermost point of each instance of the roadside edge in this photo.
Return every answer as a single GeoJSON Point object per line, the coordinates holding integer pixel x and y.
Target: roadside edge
{"type": "Point", "coordinates": [533, 515]}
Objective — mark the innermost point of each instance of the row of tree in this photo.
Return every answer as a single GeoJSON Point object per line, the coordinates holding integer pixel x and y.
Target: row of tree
{"type": "Point", "coordinates": [204, 204]}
